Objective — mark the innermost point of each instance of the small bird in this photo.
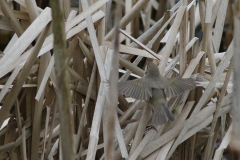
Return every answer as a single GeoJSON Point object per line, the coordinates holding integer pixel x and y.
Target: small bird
{"type": "Point", "coordinates": [153, 88]}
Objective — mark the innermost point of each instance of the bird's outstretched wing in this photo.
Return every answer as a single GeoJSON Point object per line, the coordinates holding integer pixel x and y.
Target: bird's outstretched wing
{"type": "Point", "coordinates": [177, 86]}
{"type": "Point", "coordinates": [137, 89]}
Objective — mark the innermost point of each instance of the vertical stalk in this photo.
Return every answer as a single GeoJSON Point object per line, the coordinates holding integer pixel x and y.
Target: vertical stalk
{"type": "Point", "coordinates": [235, 110]}
{"type": "Point", "coordinates": [62, 79]}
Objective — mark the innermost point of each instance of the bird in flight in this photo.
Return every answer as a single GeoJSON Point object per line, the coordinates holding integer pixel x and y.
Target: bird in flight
{"type": "Point", "coordinates": [154, 89]}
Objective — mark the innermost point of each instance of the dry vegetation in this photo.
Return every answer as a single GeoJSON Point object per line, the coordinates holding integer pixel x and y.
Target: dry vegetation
{"type": "Point", "coordinates": [46, 82]}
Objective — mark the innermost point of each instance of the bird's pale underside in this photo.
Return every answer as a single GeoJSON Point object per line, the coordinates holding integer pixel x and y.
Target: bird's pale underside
{"type": "Point", "coordinates": [153, 88]}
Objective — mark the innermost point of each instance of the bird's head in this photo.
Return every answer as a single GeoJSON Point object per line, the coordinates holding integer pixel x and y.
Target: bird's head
{"type": "Point", "coordinates": [151, 69]}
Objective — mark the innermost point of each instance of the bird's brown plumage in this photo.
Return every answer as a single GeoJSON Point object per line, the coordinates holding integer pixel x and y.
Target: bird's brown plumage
{"type": "Point", "coordinates": [153, 88]}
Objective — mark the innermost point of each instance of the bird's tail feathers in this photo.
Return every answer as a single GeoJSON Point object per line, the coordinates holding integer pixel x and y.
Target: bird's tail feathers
{"type": "Point", "coordinates": [168, 113]}
{"type": "Point", "coordinates": [160, 115]}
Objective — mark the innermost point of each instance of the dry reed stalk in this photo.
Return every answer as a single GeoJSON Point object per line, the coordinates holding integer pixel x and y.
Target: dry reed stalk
{"type": "Point", "coordinates": [10, 81]}
{"type": "Point", "coordinates": [94, 134]}
{"type": "Point", "coordinates": [11, 17]}
{"type": "Point", "coordinates": [44, 60]}
{"type": "Point", "coordinates": [47, 153]}
{"type": "Point", "coordinates": [31, 6]}
{"type": "Point", "coordinates": [126, 75]}
{"type": "Point", "coordinates": [152, 134]}
{"type": "Point", "coordinates": [24, 143]}
{"type": "Point", "coordinates": [5, 25]}
{"type": "Point", "coordinates": [168, 48]}
{"type": "Point", "coordinates": [19, 124]}
{"type": "Point", "coordinates": [219, 24]}
{"type": "Point", "coordinates": [167, 137]}
{"type": "Point", "coordinates": [18, 14]}
{"type": "Point", "coordinates": [94, 42]}
{"type": "Point", "coordinates": [24, 41]}
{"type": "Point", "coordinates": [155, 42]}
{"type": "Point", "coordinates": [224, 144]}
{"type": "Point", "coordinates": [140, 44]}
{"type": "Point", "coordinates": [214, 122]}
{"type": "Point", "coordinates": [150, 44]}
{"type": "Point", "coordinates": [119, 135]}
{"type": "Point", "coordinates": [183, 39]}
{"type": "Point", "coordinates": [86, 52]}
{"type": "Point", "coordinates": [54, 149]}
{"type": "Point", "coordinates": [159, 29]}
{"type": "Point", "coordinates": [86, 104]}
{"type": "Point", "coordinates": [113, 122]}
{"type": "Point", "coordinates": [171, 134]}
{"type": "Point", "coordinates": [128, 6]}
{"type": "Point", "coordinates": [22, 3]}
{"type": "Point", "coordinates": [223, 64]}
{"type": "Point", "coordinates": [141, 127]}
{"type": "Point", "coordinates": [127, 18]}
{"type": "Point", "coordinates": [63, 89]}
{"type": "Point", "coordinates": [45, 78]}
{"type": "Point", "coordinates": [234, 143]}
{"type": "Point", "coordinates": [135, 105]}
{"type": "Point", "coordinates": [96, 122]}
{"type": "Point", "coordinates": [206, 44]}
{"type": "Point", "coordinates": [164, 150]}
{"type": "Point", "coordinates": [12, 145]}
{"type": "Point", "coordinates": [131, 67]}
{"type": "Point", "coordinates": [128, 137]}
{"type": "Point", "coordinates": [21, 78]}
{"type": "Point", "coordinates": [46, 131]}
{"type": "Point", "coordinates": [144, 38]}
{"type": "Point", "coordinates": [48, 44]}
{"type": "Point", "coordinates": [130, 50]}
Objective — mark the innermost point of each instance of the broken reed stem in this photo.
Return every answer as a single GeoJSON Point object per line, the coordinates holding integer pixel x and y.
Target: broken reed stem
{"type": "Point", "coordinates": [215, 118]}
{"type": "Point", "coordinates": [8, 61]}
{"type": "Point", "coordinates": [94, 41]}
{"type": "Point", "coordinates": [172, 36]}
{"type": "Point", "coordinates": [63, 89]}
{"type": "Point", "coordinates": [227, 138]}
{"type": "Point", "coordinates": [86, 45]}
{"type": "Point", "coordinates": [174, 132]}
{"type": "Point", "coordinates": [223, 64]}
{"type": "Point", "coordinates": [182, 117]}
{"type": "Point", "coordinates": [141, 127]}
{"type": "Point", "coordinates": [145, 37]}
{"type": "Point", "coordinates": [218, 30]}
{"type": "Point", "coordinates": [127, 18]}
{"type": "Point", "coordinates": [12, 95]}
{"type": "Point", "coordinates": [183, 40]}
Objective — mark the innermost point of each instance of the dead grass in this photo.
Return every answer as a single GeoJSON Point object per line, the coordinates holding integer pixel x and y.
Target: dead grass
{"type": "Point", "coordinates": [104, 36]}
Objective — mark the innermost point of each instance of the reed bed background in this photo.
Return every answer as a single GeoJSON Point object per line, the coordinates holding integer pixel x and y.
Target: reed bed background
{"type": "Point", "coordinates": [61, 62]}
